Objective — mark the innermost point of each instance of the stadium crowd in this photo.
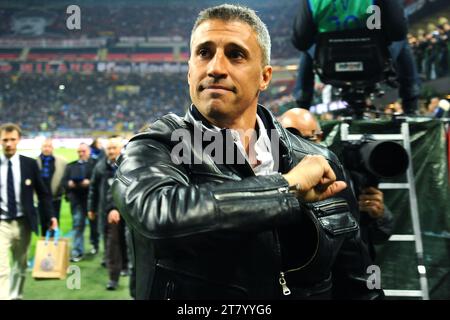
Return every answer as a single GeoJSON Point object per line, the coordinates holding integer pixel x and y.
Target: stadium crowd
{"type": "Point", "coordinates": [149, 20]}
{"type": "Point", "coordinates": [431, 49]}
{"type": "Point", "coordinates": [93, 102]}
{"type": "Point", "coordinates": [100, 101]}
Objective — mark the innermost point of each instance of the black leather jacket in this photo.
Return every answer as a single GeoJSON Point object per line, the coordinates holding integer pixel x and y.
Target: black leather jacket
{"type": "Point", "coordinates": [211, 231]}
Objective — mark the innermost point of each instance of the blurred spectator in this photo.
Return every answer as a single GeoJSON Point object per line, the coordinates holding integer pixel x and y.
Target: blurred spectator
{"type": "Point", "coordinates": [97, 152]}
{"type": "Point", "coordinates": [111, 223]}
{"type": "Point", "coordinates": [52, 170]}
{"type": "Point", "coordinates": [438, 108]}
{"type": "Point", "coordinates": [432, 106]}
{"type": "Point", "coordinates": [431, 49]}
{"type": "Point", "coordinates": [147, 19]}
{"type": "Point", "coordinates": [90, 102]}
{"type": "Point", "coordinates": [76, 182]}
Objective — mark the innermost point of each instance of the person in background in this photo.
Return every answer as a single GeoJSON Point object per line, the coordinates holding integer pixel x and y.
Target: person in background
{"type": "Point", "coordinates": [76, 183]}
{"type": "Point", "coordinates": [320, 16]}
{"type": "Point", "coordinates": [19, 179]}
{"type": "Point", "coordinates": [52, 171]}
{"type": "Point", "coordinates": [110, 221]}
{"type": "Point", "coordinates": [97, 151]}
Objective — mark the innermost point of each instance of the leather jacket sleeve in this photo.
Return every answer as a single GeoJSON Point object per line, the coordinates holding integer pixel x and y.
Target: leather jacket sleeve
{"type": "Point", "coordinates": [158, 199]}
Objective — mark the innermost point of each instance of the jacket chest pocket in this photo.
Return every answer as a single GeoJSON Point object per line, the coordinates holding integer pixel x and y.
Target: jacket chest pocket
{"type": "Point", "coordinates": [334, 216]}
{"type": "Point", "coordinates": [333, 222]}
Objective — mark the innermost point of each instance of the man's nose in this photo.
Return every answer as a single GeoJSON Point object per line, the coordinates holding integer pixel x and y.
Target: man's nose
{"type": "Point", "coordinates": [217, 67]}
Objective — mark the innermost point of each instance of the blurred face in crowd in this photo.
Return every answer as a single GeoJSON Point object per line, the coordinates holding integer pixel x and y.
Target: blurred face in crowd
{"type": "Point", "coordinates": [83, 152]}
{"type": "Point", "coordinates": [10, 140]}
{"type": "Point", "coordinates": [304, 122]}
{"type": "Point", "coordinates": [97, 144]}
{"type": "Point", "coordinates": [113, 148]}
{"type": "Point", "coordinates": [225, 71]}
{"type": "Point", "coordinates": [433, 104]}
{"type": "Point", "coordinates": [47, 147]}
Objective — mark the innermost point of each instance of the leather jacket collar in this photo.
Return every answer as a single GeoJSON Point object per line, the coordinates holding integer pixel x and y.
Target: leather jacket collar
{"type": "Point", "coordinates": [194, 117]}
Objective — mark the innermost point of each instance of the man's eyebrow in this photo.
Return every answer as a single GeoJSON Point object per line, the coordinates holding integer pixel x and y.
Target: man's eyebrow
{"type": "Point", "coordinates": [234, 45]}
{"type": "Point", "coordinates": [204, 44]}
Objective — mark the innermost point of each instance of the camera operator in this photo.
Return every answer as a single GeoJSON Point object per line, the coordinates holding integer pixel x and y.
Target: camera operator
{"type": "Point", "coordinates": [319, 16]}
{"type": "Point", "coordinates": [376, 222]}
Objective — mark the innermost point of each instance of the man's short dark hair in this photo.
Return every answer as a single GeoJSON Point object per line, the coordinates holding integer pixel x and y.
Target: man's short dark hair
{"type": "Point", "coordinates": [231, 12]}
{"type": "Point", "coordinates": [10, 127]}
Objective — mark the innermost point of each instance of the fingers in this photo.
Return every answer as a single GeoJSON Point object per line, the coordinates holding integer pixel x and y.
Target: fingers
{"type": "Point", "coordinates": [374, 208]}
{"type": "Point", "coordinates": [371, 197]}
{"type": "Point", "coordinates": [321, 192]}
{"type": "Point", "coordinates": [371, 190]}
{"type": "Point", "coordinates": [333, 189]}
{"type": "Point", "coordinates": [328, 173]}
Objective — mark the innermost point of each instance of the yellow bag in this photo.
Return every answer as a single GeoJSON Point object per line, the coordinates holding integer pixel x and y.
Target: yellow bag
{"type": "Point", "coordinates": [51, 258]}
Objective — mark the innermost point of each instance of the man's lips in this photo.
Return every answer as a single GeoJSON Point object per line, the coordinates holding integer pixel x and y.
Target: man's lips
{"type": "Point", "coordinates": [216, 87]}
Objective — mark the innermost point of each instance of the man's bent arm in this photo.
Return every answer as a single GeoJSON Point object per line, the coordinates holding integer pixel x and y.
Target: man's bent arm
{"type": "Point", "coordinates": [157, 198]}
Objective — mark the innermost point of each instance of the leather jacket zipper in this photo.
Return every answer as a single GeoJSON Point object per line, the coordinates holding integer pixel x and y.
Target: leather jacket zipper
{"type": "Point", "coordinates": [323, 209]}
{"type": "Point", "coordinates": [230, 195]}
{"type": "Point", "coordinates": [281, 279]}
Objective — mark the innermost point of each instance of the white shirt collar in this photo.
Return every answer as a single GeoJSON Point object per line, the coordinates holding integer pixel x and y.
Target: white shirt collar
{"type": "Point", "coordinates": [14, 159]}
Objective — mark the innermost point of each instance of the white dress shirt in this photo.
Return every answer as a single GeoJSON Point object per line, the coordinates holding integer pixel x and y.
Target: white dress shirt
{"type": "Point", "coordinates": [262, 152]}
{"type": "Point", "coordinates": [15, 160]}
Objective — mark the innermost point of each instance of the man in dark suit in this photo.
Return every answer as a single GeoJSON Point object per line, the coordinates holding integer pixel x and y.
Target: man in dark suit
{"type": "Point", "coordinates": [52, 170]}
{"type": "Point", "coordinates": [19, 177]}
{"type": "Point", "coordinates": [100, 206]}
{"type": "Point", "coordinates": [76, 183]}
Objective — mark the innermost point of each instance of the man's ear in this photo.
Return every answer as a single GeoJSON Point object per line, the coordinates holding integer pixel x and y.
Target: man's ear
{"type": "Point", "coordinates": [189, 72]}
{"type": "Point", "coordinates": [266, 76]}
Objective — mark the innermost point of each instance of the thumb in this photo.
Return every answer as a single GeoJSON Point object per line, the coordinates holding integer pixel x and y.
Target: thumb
{"type": "Point", "coordinates": [333, 189]}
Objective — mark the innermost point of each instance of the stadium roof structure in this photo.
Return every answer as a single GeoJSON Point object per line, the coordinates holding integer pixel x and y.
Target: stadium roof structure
{"type": "Point", "coordinates": [59, 3]}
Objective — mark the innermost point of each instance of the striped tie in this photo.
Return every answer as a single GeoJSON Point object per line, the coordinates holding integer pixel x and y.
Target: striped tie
{"type": "Point", "coordinates": [12, 208]}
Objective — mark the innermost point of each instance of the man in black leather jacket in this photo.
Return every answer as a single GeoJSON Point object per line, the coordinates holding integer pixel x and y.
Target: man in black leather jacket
{"type": "Point", "coordinates": [274, 220]}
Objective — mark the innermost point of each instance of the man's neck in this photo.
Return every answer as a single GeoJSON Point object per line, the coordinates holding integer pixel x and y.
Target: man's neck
{"type": "Point", "coordinates": [8, 157]}
{"type": "Point", "coordinates": [245, 124]}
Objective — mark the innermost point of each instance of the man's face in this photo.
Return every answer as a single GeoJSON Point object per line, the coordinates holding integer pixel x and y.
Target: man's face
{"type": "Point", "coordinates": [47, 148]}
{"type": "Point", "coordinates": [113, 149]}
{"type": "Point", "coordinates": [10, 140]}
{"type": "Point", "coordinates": [225, 69]}
{"type": "Point", "coordinates": [83, 152]}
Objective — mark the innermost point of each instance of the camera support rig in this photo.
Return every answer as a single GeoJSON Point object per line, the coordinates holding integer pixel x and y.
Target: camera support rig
{"type": "Point", "coordinates": [416, 237]}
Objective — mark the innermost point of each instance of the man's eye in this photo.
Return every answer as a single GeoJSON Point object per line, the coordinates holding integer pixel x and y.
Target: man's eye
{"type": "Point", "coordinates": [236, 54]}
{"type": "Point", "coordinates": [203, 52]}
